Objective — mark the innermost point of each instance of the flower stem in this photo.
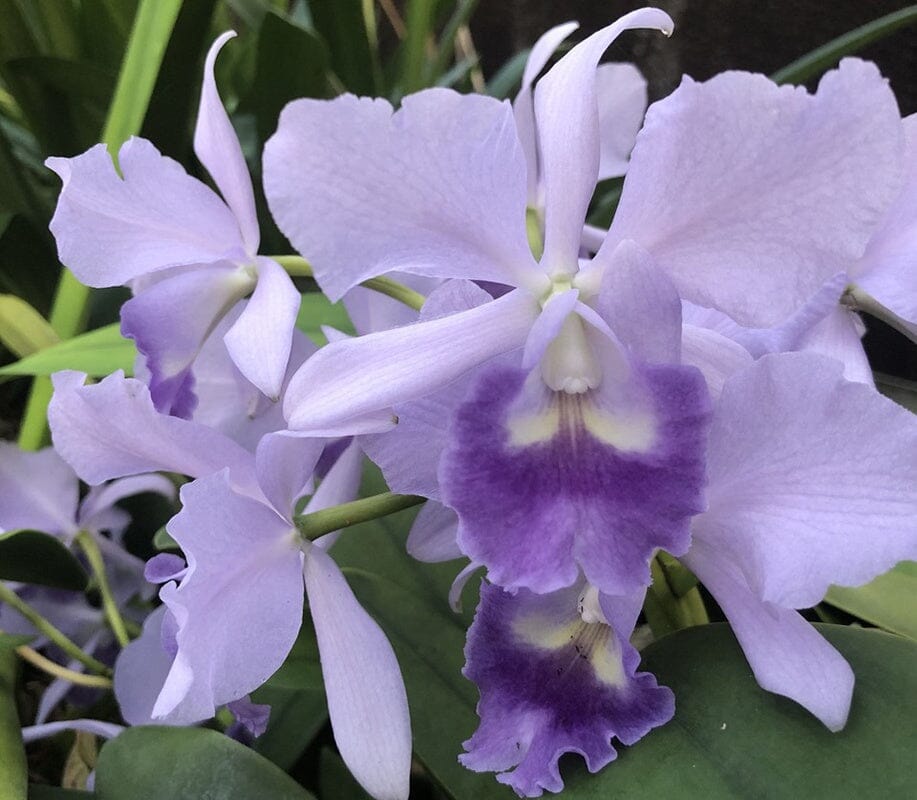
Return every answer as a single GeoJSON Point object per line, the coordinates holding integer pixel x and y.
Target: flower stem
{"type": "Point", "coordinates": [298, 267]}
{"type": "Point", "coordinates": [66, 644]}
{"type": "Point", "coordinates": [318, 523]}
{"type": "Point", "coordinates": [91, 549]}
{"type": "Point", "coordinates": [13, 766]}
{"type": "Point", "coordinates": [36, 659]}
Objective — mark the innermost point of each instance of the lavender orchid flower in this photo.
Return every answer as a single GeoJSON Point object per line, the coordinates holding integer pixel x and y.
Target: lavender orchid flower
{"type": "Point", "coordinates": [577, 386]}
{"type": "Point", "coordinates": [234, 613]}
{"type": "Point", "coordinates": [189, 254]}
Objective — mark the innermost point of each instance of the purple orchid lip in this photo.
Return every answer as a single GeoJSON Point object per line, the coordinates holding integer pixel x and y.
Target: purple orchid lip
{"type": "Point", "coordinates": [572, 483]}
{"type": "Point", "coordinates": [552, 683]}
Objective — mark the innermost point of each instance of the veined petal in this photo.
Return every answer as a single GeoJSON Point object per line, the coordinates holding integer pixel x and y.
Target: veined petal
{"type": "Point", "coordinates": [366, 698]}
{"type": "Point", "coordinates": [285, 463]}
{"type": "Point", "coordinates": [101, 498]}
{"type": "Point", "coordinates": [524, 104]}
{"type": "Point", "coordinates": [239, 606]}
{"type": "Point", "coordinates": [367, 374]}
{"type": "Point", "coordinates": [550, 684]}
{"type": "Point", "coordinates": [260, 340]}
{"type": "Point", "coordinates": [171, 320]}
{"type": "Point", "coordinates": [217, 147]}
{"type": "Point", "coordinates": [567, 118]}
{"type": "Point", "coordinates": [111, 430]}
{"type": "Point", "coordinates": [433, 534]}
{"type": "Point", "coordinates": [767, 191]}
{"type": "Point", "coordinates": [622, 98]}
{"type": "Point", "coordinates": [788, 656]}
{"type": "Point", "coordinates": [436, 188]}
{"type": "Point", "coordinates": [811, 479]}
{"type": "Point", "coordinates": [37, 490]}
{"type": "Point", "coordinates": [886, 270]}
{"type": "Point", "coordinates": [547, 483]}
{"type": "Point", "coordinates": [839, 336]}
{"type": "Point", "coordinates": [141, 670]}
{"type": "Point", "coordinates": [715, 355]}
{"type": "Point", "coordinates": [110, 230]}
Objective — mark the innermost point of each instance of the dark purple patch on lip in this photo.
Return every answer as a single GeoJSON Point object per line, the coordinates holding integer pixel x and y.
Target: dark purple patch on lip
{"type": "Point", "coordinates": [535, 514]}
{"type": "Point", "coordinates": [540, 702]}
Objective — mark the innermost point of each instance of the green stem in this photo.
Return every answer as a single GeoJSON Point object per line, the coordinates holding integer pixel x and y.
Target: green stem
{"type": "Point", "coordinates": [13, 767]}
{"type": "Point", "coordinates": [15, 602]}
{"type": "Point", "coordinates": [90, 548]}
{"type": "Point", "coordinates": [142, 59]}
{"type": "Point", "coordinates": [812, 64]}
{"type": "Point", "coordinates": [318, 523]}
{"type": "Point", "coordinates": [298, 267]}
{"type": "Point", "coordinates": [36, 659]}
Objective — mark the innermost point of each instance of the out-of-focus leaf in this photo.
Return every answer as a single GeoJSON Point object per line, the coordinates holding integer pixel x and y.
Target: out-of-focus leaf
{"type": "Point", "coordinates": [28, 265]}
{"type": "Point", "coordinates": [341, 24]}
{"type": "Point", "coordinates": [187, 764]}
{"type": "Point", "coordinates": [419, 20]}
{"type": "Point", "coordinates": [22, 329]}
{"type": "Point", "coordinates": [80, 761]}
{"type": "Point", "coordinates": [10, 641]}
{"type": "Point", "coordinates": [890, 601]}
{"type": "Point", "coordinates": [903, 392]}
{"type": "Point", "coordinates": [445, 48]}
{"type": "Point", "coordinates": [301, 668]}
{"type": "Point", "coordinates": [507, 79]}
{"type": "Point", "coordinates": [335, 781]}
{"type": "Point", "coordinates": [731, 740]}
{"type": "Point", "coordinates": [104, 27]}
{"type": "Point", "coordinates": [97, 353]}
{"type": "Point", "coordinates": [292, 62]}
{"type": "Point", "coordinates": [52, 24]}
{"type": "Point", "coordinates": [13, 768]}
{"type": "Point", "coordinates": [825, 57]}
{"type": "Point", "coordinates": [162, 540]}
{"type": "Point", "coordinates": [39, 792]}
{"type": "Point", "coordinates": [315, 311]}
{"type": "Point", "coordinates": [36, 557]}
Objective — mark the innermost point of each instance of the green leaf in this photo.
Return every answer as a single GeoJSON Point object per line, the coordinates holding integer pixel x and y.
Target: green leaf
{"type": "Point", "coordinates": [890, 601]}
{"type": "Point", "coordinates": [187, 764]}
{"type": "Point", "coordinates": [335, 781]}
{"type": "Point", "coordinates": [731, 740]}
{"type": "Point", "coordinates": [22, 329]}
{"type": "Point", "coordinates": [37, 792]}
{"type": "Point", "coordinates": [296, 718]}
{"type": "Point", "coordinates": [13, 768]}
{"type": "Point", "coordinates": [97, 353]}
{"type": "Point", "coordinates": [10, 641]}
{"type": "Point", "coordinates": [342, 25]}
{"type": "Point", "coordinates": [36, 557]}
{"type": "Point", "coordinates": [420, 16]}
{"type": "Point", "coordinates": [162, 540]}
{"type": "Point", "coordinates": [292, 62]}
{"type": "Point", "coordinates": [823, 58]}
{"type": "Point", "coordinates": [317, 310]}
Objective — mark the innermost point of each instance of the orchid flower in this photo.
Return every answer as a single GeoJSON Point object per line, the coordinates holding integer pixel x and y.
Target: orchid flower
{"type": "Point", "coordinates": [234, 613]}
{"type": "Point", "coordinates": [189, 254]}
{"type": "Point", "coordinates": [39, 491]}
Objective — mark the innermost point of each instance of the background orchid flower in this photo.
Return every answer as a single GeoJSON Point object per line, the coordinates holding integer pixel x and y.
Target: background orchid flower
{"type": "Point", "coordinates": [189, 254]}
{"type": "Point", "coordinates": [237, 608]}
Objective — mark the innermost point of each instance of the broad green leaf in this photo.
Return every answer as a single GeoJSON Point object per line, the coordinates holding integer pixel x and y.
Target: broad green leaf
{"type": "Point", "coordinates": [97, 353]}
{"type": "Point", "coordinates": [823, 58]}
{"type": "Point", "coordinates": [890, 601]}
{"type": "Point", "coordinates": [37, 792]}
{"type": "Point", "coordinates": [317, 310]}
{"type": "Point", "coordinates": [335, 781]}
{"type": "Point", "coordinates": [10, 641]}
{"type": "Point", "coordinates": [731, 740]}
{"type": "Point", "coordinates": [292, 62]}
{"type": "Point", "coordinates": [187, 764]}
{"type": "Point", "coordinates": [22, 329]}
{"type": "Point", "coordinates": [13, 768]}
{"type": "Point", "coordinates": [296, 718]}
{"type": "Point", "coordinates": [35, 557]}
